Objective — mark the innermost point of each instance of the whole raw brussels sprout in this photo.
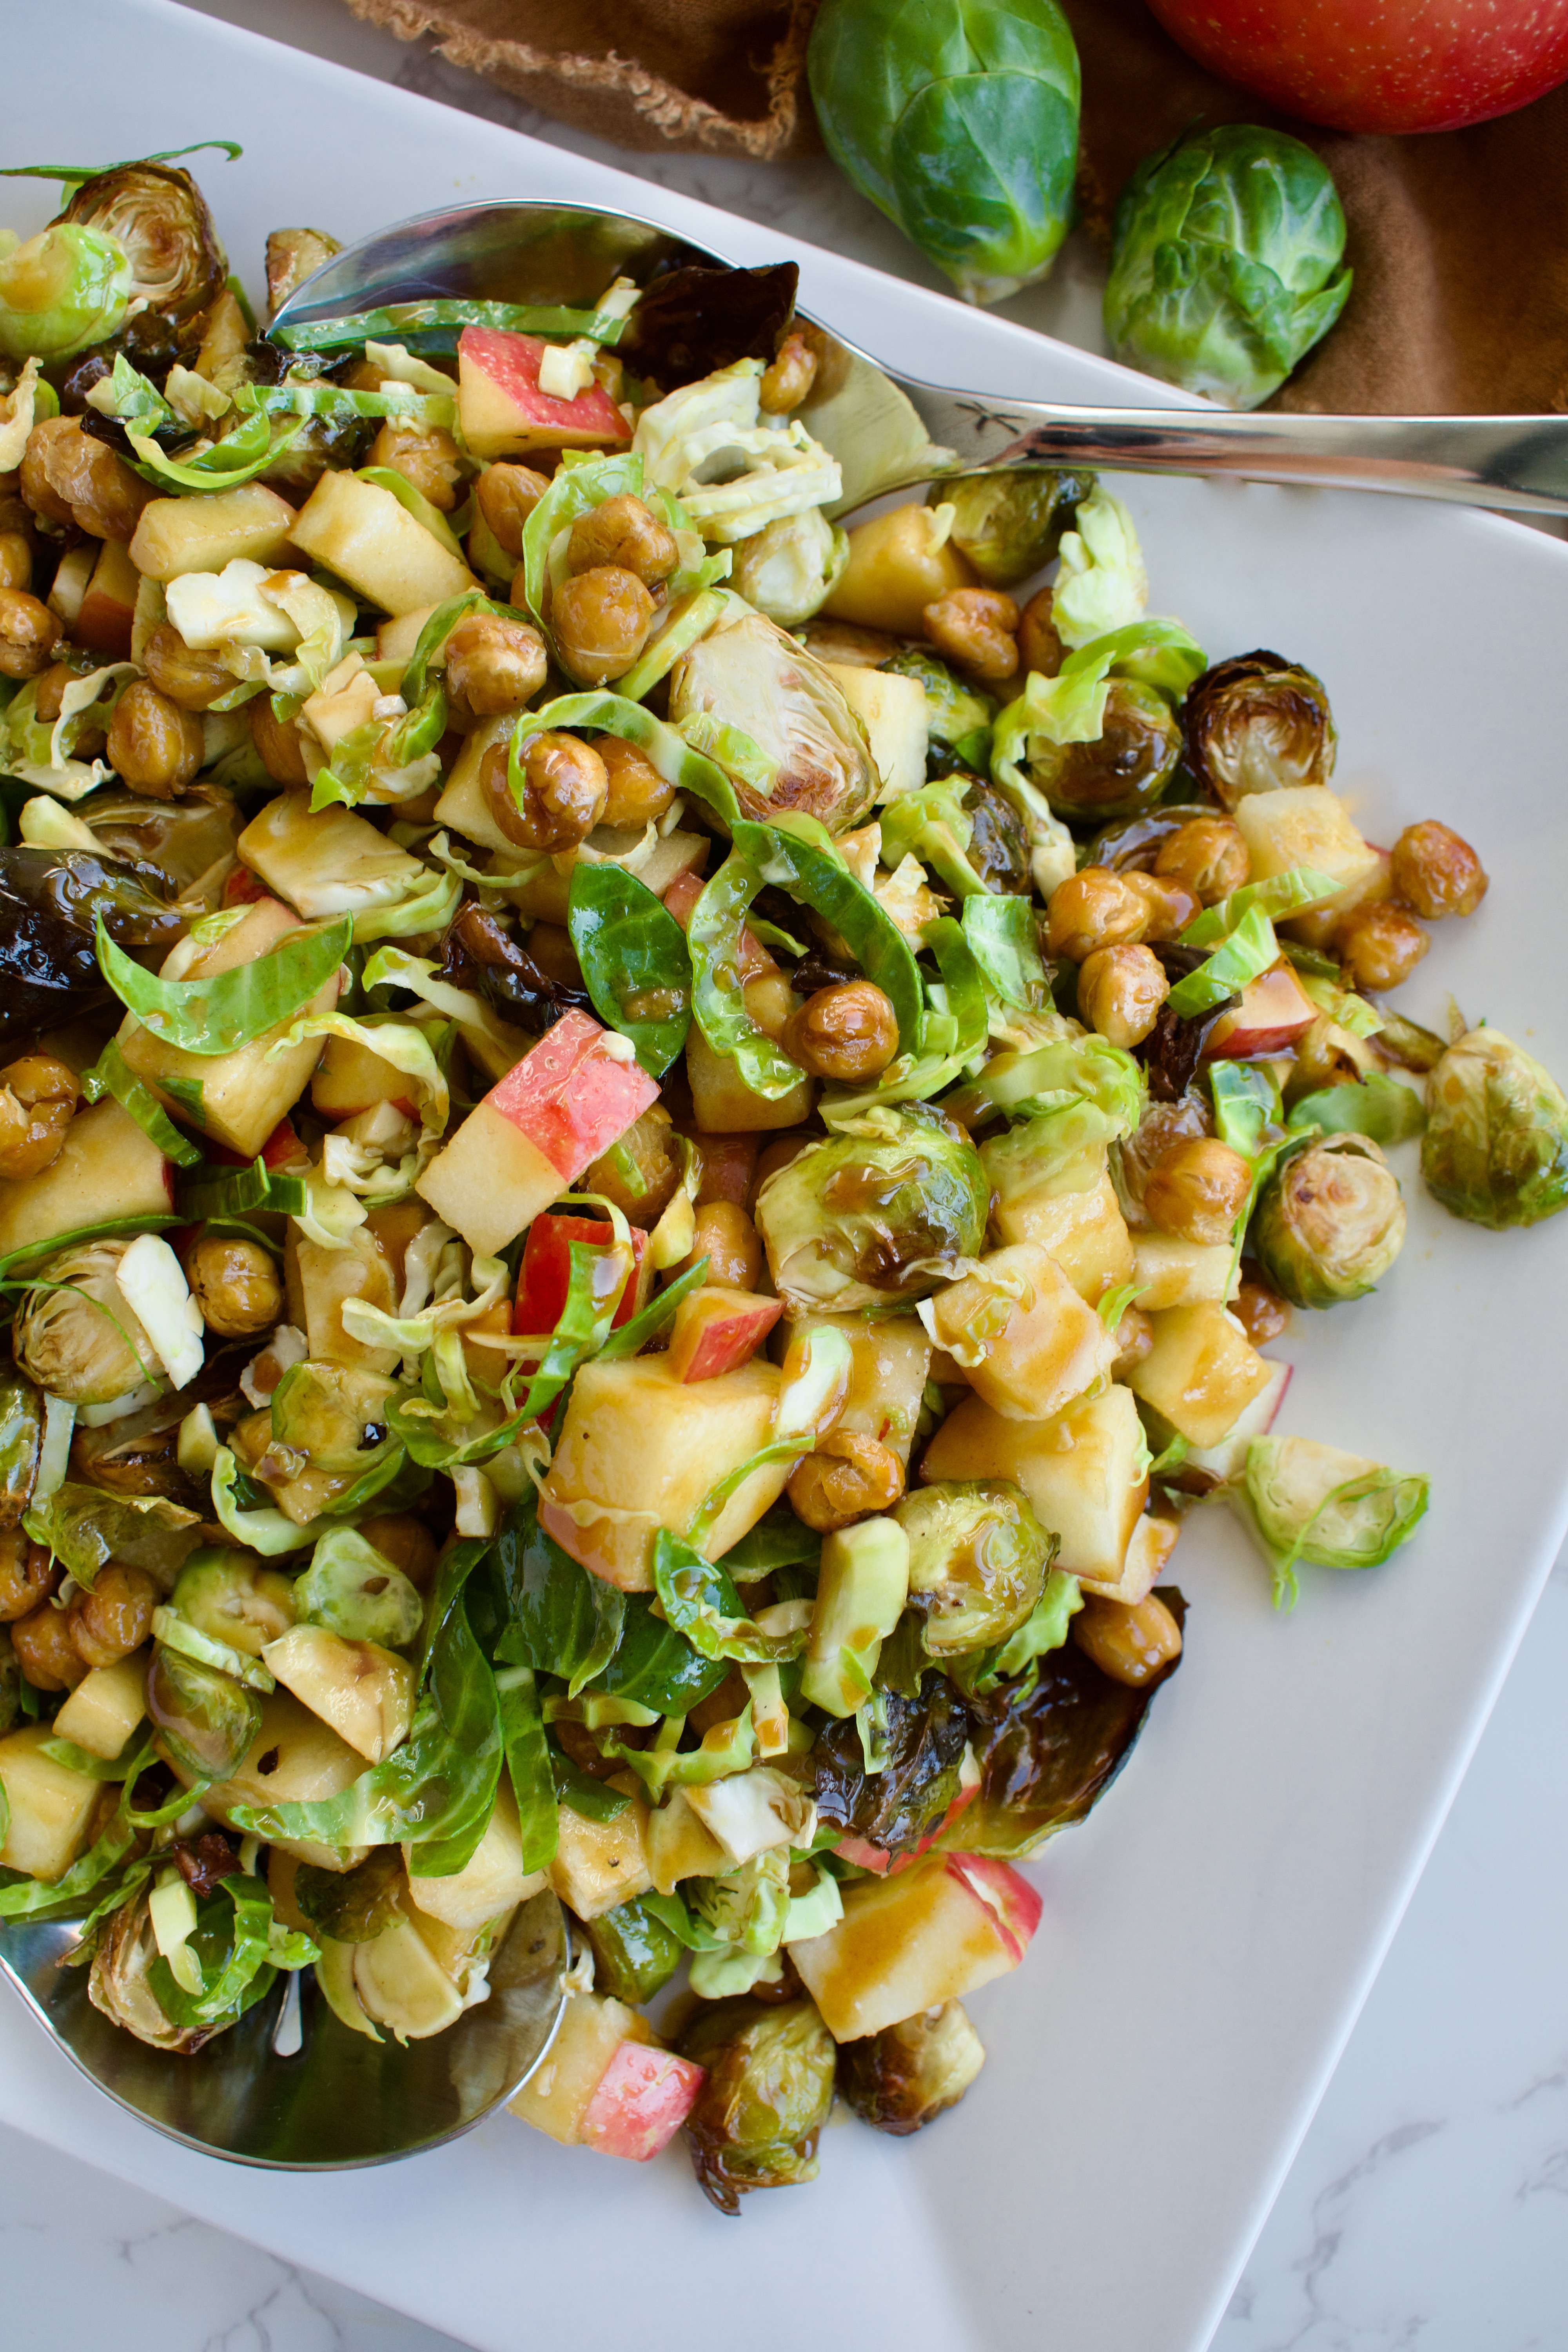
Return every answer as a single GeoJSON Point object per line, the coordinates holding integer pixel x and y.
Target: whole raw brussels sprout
{"type": "Point", "coordinates": [1331, 1221]}
{"type": "Point", "coordinates": [1124, 770]}
{"type": "Point", "coordinates": [1496, 1146]}
{"type": "Point", "coordinates": [747, 673]}
{"type": "Point", "coordinates": [904, 2077]}
{"type": "Point", "coordinates": [960, 124]}
{"type": "Point", "coordinates": [875, 1215]}
{"type": "Point", "coordinates": [789, 568]}
{"type": "Point", "coordinates": [978, 1557]}
{"type": "Point", "coordinates": [1225, 268]}
{"type": "Point", "coordinates": [158, 217]}
{"type": "Point", "coordinates": [76, 1334]}
{"type": "Point", "coordinates": [206, 1721]}
{"type": "Point", "coordinates": [1010, 524]}
{"type": "Point", "coordinates": [1259, 723]}
{"type": "Point", "coordinates": [768, 2088]}
{"type": "Point", "coordinates": [63, 289]}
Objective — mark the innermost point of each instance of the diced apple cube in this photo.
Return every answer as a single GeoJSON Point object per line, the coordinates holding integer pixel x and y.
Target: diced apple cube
{"type": "Point", "coordinates": [1083, 1230]}
{"type": "Point", "coordinates": [1201, 1372]}
{"type": "Point", "coordinates": [1275, 1010]}
{"type": "Point", "coordinates": [106, 1167]}
{"type": "Point", "coordinates": [321, 1281]}
{"type": "Point", "coordinates": [328, 862]}
{"type": "Point", "coordinates": [108, 608]}
{"type": "Point", "coordinates": [643, 2097]}
{"type": "Point", "coordinates": [504, 412]}
{"type": "Point", "coordinates": [556, 2096]}
{"type": "Point", "coordinates": [1152, 1542]}
{"type": "Point", "coordinates": [359, 532]}
{"type": "Point", "coordinates": [890, 1358]}
{"type": "Point", "coordinates": [395, 639]}
{"type": "Point", "coordinates": [722, 1102]}
{"type": "Point", "coordinates": [1304, 824]}
{"type": "Point", "coordinates": [175, 536]}
{"type": "Point", "coordinates": [1027, 1342]}
{"type": "Point", "coordinates": [1228, 1458]}
{"type": "Point", "coordinates": [910, 1941]}
{"type": "Point", "coordinates": [106, 1706]}
{"type": "Point", "coordinates": [51, 1807]}
{"type": "Point", "coordinates": [402, 1985]}
{"type": "Point", "coordinates": [350, 1079]}
{"type": "Point", "coordinates": [681, 1845]}
{"type": "Point", "coordinates": [893, 711]}
{"type": "Point", "coordinates": [295, 1759]}
{"type": "Point", "coordinates": [491, 1881]}
{"type": "Point", "coordinates": [600, 1864]}
{"type": "Point", "coordinates": [365, 1692]}
{"type": "Point", "coordinates": [1084, 1472]}
{"type": "Point", "coordinates": [1172, 1273]}
{"type": "Point", "coordinates": [717, 1329]}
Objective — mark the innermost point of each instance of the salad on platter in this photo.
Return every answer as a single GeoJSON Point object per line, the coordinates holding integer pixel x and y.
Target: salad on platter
{"type": "Point", "coordinates": [649, 1149]}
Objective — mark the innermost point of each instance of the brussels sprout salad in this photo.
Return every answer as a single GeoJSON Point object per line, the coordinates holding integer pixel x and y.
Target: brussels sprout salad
{"type": "Point", "coordinates": [649, 1153]}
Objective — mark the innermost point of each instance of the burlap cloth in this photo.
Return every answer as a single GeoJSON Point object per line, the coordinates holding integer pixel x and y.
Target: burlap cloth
{"type": "Point", "coordinates": [1459, 241]}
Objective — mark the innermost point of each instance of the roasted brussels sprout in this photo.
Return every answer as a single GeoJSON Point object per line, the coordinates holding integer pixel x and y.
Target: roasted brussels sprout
{"type": "Point", "coordinates": [205, 1720]}
{"type": "Point", "coordinates": [925, 1729]}
{"type": "Point", "coordinates": [353, 1906]}
{"type": "Point", "coordinates": [1257, 723]}
{"type": "Point", "coordinates": [904, 2077]}
{"type": "Point", "coordinates": [875, 1216]}
{"type": "Point", "coordinates": [1226, 268]}
{"type": "Point", "coordinates": [1124, 770]}
{"type": "Point", "coordinates": [77, 1335]}
{"type": "Point", "coordinates": [789, 568]}
{"type": "Point", "coordinates": [958, 717]}
{"type": "Point", "coordinates": [118, 1983]}
{"type": "Point", "coordinates": [352, 1590]}
{"type": "Point", "coordinates": [292, 256]}
{"type": "Point", "coordinates": [998, 840]}
{"type": "Point", "coordinates": [635, 1954]}
{"type": "Point", "coordinates": [746, 1907]}
{"type": "Point", "coordinates": [1331, 1221]}
{"type": "Point", "coordinates": [1496, 1146]}
{"type": "Point", "coordinates": [231, 1597]}
{"type": "Point", "coordinates": [49, 902]}
{"type": "Point", "coordinates": [156, 214]}
{"type": "Point", "coordinates": [978, 1557]}
{"type": "Point", "coordinates": [748, 674]}
{"type": "Point", "coordinates": [334, 1415]}
{"type": "Point", "coordinates": [1311, 1502]}
{"type": "Point", "coordinates": [768, 2088]}
{"type": "Point", "coordinates": [1008, 525]}
{"type": "Point", "coordinates": [63, 289]}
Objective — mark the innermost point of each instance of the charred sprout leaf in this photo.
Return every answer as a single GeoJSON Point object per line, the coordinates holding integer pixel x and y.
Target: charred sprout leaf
{"type": "Point", "coordinates": [1259, 723]}
{"type": "Point", "coordinates": [635, 1953]}
{"type": "Point", "coordinates": [999, 844]}
{"type": "Point", "coordinates": [49, 902]}
{"type": "Point", "coordinates": [157, 215]}
{"type": "Point", "coordinates": [978, 1557]}
{"type": "Point", "coordinates": [1226, 270]}
{"type": "Point", "coordinates": [767, 2089]}
{"type": "Point", "coordinates": [84, 1527]}
{"type": "Point", "coordinates": [1009, 525]}
{"type": "Point", "coordinates": [1306, 1501]}
{"type": "Point", "coordinates": [748, 673]}
{"type": "Point", "coordinates": [908, 1799]}
{"type": "Point", "coordinates": [635, 960]}
{"type": "Point", "coordinates": [875, 1216]}
{"type": "Point", "coordinates": [1331, 1223]}
{"type": "Point", "coordinates": [1496, 1146]}
{"type": "Point", "coordinates": [696, 320]}
{"type": "Point", "coordinates": [904, 2077]}
{"type": "Point", "coordinates": [352, 1907]}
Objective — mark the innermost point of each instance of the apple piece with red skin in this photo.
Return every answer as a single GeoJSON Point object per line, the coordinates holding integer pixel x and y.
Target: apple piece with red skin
{"type": "Point", "coordinates": [1275, 1010]}
{"type": "Point", "coordinates": [544, 1275]}
{"type": "Point", "coordinates": [876, 1858]}
{"type": "Point", "coordinates": [916, 1937]}
{"type": "Point", "coordinates": [1379, 66]}
{"type": "Point", "coordinates": [108, 608]}
{"type": "Point", "coordinates": [504, 412]}
{"type": "Point", "coordinates": [552, 1115]}
{"type": "Point", "coordinates": [718, 1328]}
{"type": "Point", "coordinates": [644, 2096]}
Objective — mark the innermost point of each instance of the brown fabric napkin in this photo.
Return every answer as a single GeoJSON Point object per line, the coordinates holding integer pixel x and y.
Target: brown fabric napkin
{"type": "Point", "coordinates": [1461, 299]}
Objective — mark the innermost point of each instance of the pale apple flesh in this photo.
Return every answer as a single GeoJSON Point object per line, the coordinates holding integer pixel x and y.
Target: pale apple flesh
{"type": "Point", "coordinates": [910, 1941]}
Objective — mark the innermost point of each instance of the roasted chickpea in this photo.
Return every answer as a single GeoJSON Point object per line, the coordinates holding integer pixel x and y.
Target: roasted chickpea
{"type": "Point", "coordinates": [495, 665]}
{"type": "Point", "coordinates": [277, 744]}
{"type": "Point", "coordinates": [38, 1096]}
{"type": "Point", "coordinates": [506, 497]}
{"type": "Point", "coordinates": [1197, 1190]}
{"type": "Point", "coordinates": [116, 1616]}
{"type": "Point", "coordinates": [1435, 872]}
{"type": "Point", "coordinates": [1135, 1338]}
{"type": "Point", "coordinates": [626, 535]}
{"type": "Point", "coordinates": [601, 620]}
{"type": "Point", "coordinates": [1322, 1058]}
{"type": "Point", "coordinates": [770, 1159]}
{"type": "Point", "coordinates": [15, 560]}
{"type": "Point", "coordinates": [1208, 855]}
{"type": "Point", "coordinates": [848, 1031]}
{"type": "Point", "coordinates": [153, 745]}
{"type": "Point", "coordinates": [564, 792]}
{"type": "Point", "coordinates": [551, 946]}
{"type": "Point", "coordinates": [45, 1650]}
{"type": "Point", "coordinates": [727, 1238]}
{"type": "Point", "coordinates": [1258, 1306]}
{"type": "Point", "coordinates": [1380, 945]}
{"type": "Point", "coordinates": [638, 793]}
{"type": "Point", "coordinates": [194, 681]}
{"type": "Point", "coordinates": [1039, 647]}
{"type": "Point", "coordinates": [29, 634]}
{"type": "Point", "coordinates": [236, 1285]}
{"type": "Point", "coordinates": [1093, 909]}
{"type": "Point", "coordinates": [1130, 1643]}
{"type": "Point", "coordinates": [973, 627]}
{"type": "Point", "coordinates": [49, 691]}
{"type": "Point", "coordinates": [788, 378]}
{"type": "Point", "coordinates": [430, 461]}
{"type": "Point", "coordinates": [69, 478]}
{"type": "Point", "coordinates": [1119, 993]}
{"type": "Point", "coordinates": [1171, 904]}
{"type": "Point", "coordinates": [406, 1542]}
{"type": "Point", "coordinates": [772, 1003]}
{"type": "Point", "coordinates": [28, 1574]}
{"type": "Point", "coordinates": [846, 1479]}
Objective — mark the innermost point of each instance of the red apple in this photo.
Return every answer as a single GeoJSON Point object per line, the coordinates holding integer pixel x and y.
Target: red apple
{"type": "Point", "coordinates": [545, 1273]}
{"type": "Point", "coordinates": [243, 888]}
{"type": "Point", "coordinates": [1207, 1466]}
{"type": "Point", "coordinates": [875, 1858]}
{"type": "Point", "coordinates": [915, 1938]}
{"type": "Point", "coordinates": [1275, 1010]}
{"type": "Point", "coordinates": [108, 608]}
{"type": "Point", "coordinates": [1379, 65]}
{"type": "Point", "coordinates": [1017, 1904]}
{"type": "Point", "coordinates": [502, 410]}
{"type": "Point", "coordinates": [644, 2096]}
{"type": "Point", "coordinates": [717, 1329]}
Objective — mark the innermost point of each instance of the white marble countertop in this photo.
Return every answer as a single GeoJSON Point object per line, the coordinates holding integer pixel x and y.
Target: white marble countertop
{"type": "Point", "coordinates": [1428, 2203]}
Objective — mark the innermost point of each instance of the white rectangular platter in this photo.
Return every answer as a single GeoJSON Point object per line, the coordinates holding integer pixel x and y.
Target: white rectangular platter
{"type": "Point", "coordinates": [1210, 1936]}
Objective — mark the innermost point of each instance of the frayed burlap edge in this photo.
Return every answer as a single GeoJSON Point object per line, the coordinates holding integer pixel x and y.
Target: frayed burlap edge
{"type": "Point", "coordinates": [613, 95]}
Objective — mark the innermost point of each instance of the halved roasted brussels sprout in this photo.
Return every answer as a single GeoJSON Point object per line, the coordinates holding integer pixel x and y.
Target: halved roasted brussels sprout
{"type": "Point", "coordinates": [232, 1597]}
{"type": "Point", "coordinates": [978, 1557]}
{"type": "Point", "coordinates": [789, 568]}
{"type": "Point", "coordinates": [904, 2077]}
{"type": "Point", "coordinates": [355, 1593]}
{"type": "Point", "coordinates": [205, 1720]}
{"type": "Point", "coordinates": [117, 1983]}
{"type": "Point", "coordinates": [1010, 524]}
{"type": "Point", "coordinates": [335, 1414]}
{"type": "Point", "coordinates": [1331, 1223]}
{"type": "Point", "coordinates": [1496, 1146]}
{"type": "Point", "coordinates": [877, 1215]}
{"type": "Point", "coordinates": [958, 717]}
{"type": "Point", "coordinates": [748, 674]}
{"type": "Point", "coordinates": [61, 290]}
{"type": "Point", "coordinates": [157, 215]}
{"type": "Point", "coordinates": [1257, 723]}
{"type": "Point", "coordinates": [353, 1906]}
{"type": "Point", "coordinates": [768, 2088]}
{"type": "Point", "coordinates": [292, 256]}
{"type": "Point", "coordinates": [1124, 770]}
{"type": "Point", "coordinates": [77, 1335]}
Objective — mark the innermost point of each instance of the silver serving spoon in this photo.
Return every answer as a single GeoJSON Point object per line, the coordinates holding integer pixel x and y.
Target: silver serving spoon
{"type": "Point", "coordinates": [889, 431]}
{"type": "Point", "coordinates": [290, 2086]}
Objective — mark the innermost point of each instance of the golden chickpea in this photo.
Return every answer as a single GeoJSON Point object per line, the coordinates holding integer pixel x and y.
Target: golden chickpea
{"type": "Point", "coordinates": [406, 1542]}
{"type": "Point", "coordinates": [1208, 855]}
{"type": "Point", "coordinates": [1093, 909]}
{"type": "Point", "coordinates": [431, 461]}
{"type": "Point", "coordinates": [49, 692]}
{"type": "Point", "coordinates": [1130, 1643]}
{"type": "Point", "coordinates": [973, 627]}
{"type": "Point", "coordinates": [789, 377]}
{"type": "Point", "coordinates": [1135, 1338]}
{"type": "Point", "coordinates": [770, 1159]}
{"type": "Point", "coordinates": [29, 634]}
{"type": "Point", "coordinates": [772, 1003]}
{"type": "Point", "coordinates": [277, 744]}
{"type": "Point", "coordinates": [506, 497]}
{"type": "Point", "coordinates": [1435, 872]}
{"type": "Point", "coordinates": [727, 1238]}
{"type": "Point", "coordinates": [194, 681]}
{"type": "Point", "coordinates": [1197, 1190]}
{"type": "Point", "coordinates": [564, 792]}
{"type": "Point", "coordinates": [495, 665]}
{"type": "Point", "coordinates": [638, 793]}
{"type": "Point", "coordinates": [1039, 647]}
{"type": "Point", "coordinates": [45, 1650]}
{"type": "Point", "coordinates": [15, 560]}
{"type": "Point", "coordinates": [116, 1616]}
{"type": "Point", "coordinates": [1321, 1059]}
{"type": "Point", "coordinates": [236, 1285]}
{"type": "Point", "coordinates": [1171, 904]}
{"type": "Point", "coordinates": [1260, 1310]}
{"type": "Point", "coordinates": [625, 535]}
{"type": "Point", "coordinates": [28, 1574]}
{"type": "Point", "coordinates": [1119, 993]}
{"type": "Point", "coordinates": [848, 1031]}
{"type": "Point", "coordinates": [601, 620]}
{"type": "Point", "coordinates": [69, 478]}
{"type": "Point", "coordinates": [154, 747]}
{"type": "Point", "coordinates": [1380, 945]}
{"type": "Point", "coordinates": [38, 1096]}
{"type": "Point", "coordinates": [846, 1479]}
